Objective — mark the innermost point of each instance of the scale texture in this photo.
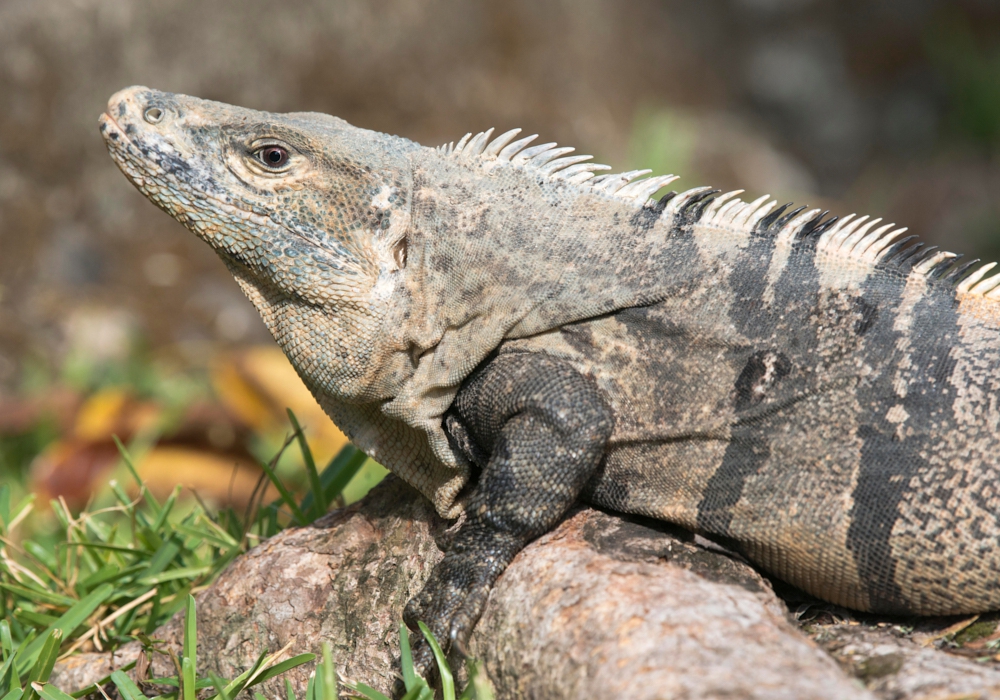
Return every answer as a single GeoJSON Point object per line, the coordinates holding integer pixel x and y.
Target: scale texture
{"type": "Point", "coordinates": [511, 332]}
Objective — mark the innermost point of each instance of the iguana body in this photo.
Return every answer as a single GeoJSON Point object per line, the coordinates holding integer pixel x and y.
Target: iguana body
{"type": "Point", "coordinates": [510, 333]}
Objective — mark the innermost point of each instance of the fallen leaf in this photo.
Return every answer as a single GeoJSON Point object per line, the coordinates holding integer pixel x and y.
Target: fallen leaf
{"type": "Point", "coordinates": [259, 384]}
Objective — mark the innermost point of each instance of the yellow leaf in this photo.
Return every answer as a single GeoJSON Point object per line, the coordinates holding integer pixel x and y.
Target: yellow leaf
{"type": "Point", "coordinates": [243, 400]}
{"type": "Point", "coordinates": [100, 414]}
{"type": "Point", "coordinates": [260, 383]}
{"type": "Point", "coordinates": [218, 477]}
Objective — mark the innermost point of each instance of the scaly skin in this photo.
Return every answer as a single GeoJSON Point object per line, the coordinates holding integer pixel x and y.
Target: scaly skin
{"type": "Point", "coordinates": [510, 334]}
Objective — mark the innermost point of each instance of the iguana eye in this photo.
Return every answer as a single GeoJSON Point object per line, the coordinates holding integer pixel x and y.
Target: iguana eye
{"type": "Point", "coordinates": [274, 157]}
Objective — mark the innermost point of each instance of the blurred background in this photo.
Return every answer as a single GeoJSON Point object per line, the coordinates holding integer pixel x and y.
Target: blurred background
{"type": "Point", "coordinates": [114, 319]}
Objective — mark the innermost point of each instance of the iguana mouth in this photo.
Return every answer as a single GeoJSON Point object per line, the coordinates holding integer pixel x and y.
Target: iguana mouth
{"type": "Point", "coordinates": [119, 131]}
{"type": "Point", "coordinates": [110, 128]}
{"type": "Point", "coordinates": [145, 163]}
{"type": "Point", "coordinates": [131, 157]}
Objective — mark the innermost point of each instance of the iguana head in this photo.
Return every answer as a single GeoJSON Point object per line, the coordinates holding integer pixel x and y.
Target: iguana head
{"type": "Point", "coordinates": [308, 212]}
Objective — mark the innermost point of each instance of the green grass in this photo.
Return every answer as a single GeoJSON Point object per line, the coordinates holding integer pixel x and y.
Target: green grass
{"type": "Point", "coordinates": [478, 688]}
{"type": "Point", "coordinates": [127, 568]}
{"type": "Point", "coordinates": [120, 571]}
{"type": "Point", "coordinates": [25, 669]}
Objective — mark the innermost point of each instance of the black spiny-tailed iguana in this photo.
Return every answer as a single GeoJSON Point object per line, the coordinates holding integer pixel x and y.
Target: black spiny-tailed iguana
{"type": "Point", "coordinates": [510, 332]}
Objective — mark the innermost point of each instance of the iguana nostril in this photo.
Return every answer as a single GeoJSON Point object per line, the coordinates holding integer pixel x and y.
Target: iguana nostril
{"type": "Point", "coordinates": [153, 115]}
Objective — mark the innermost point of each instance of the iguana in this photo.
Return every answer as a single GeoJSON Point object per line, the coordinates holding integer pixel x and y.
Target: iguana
{"type": "Point", "coordinates": [511, 332]}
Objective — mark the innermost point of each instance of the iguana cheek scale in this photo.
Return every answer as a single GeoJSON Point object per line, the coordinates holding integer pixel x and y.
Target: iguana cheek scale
{"type": "Point", "coordinates": [509, 332]}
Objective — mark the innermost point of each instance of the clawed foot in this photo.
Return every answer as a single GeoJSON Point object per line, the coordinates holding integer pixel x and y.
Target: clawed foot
{"type": "Point", "coordinates": [449, 610]}
{"type": "Point", "coordinates": [454, 597]}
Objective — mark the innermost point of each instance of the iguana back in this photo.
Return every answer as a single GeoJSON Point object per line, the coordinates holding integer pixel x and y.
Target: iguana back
{"type": "Point", "coordinates": [840, 429]}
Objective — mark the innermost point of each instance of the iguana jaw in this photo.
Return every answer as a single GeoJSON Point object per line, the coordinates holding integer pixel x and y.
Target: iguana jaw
{"type": "Point", "coordinates": [201, 162]}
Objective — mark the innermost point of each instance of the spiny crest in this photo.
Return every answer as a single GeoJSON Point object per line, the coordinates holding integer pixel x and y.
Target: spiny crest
{"type": "Point", "coordinates": [859, 238]}
{"type": "Point", "coordinates": [550, 161]}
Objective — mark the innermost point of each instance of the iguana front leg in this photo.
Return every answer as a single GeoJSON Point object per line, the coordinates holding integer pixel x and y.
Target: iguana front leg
{"type": "Point", "coordinates": [537, 429]}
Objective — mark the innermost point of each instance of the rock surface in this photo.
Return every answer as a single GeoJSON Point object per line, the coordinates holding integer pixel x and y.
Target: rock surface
{"type": "Point", "coordinates": [602, 607]}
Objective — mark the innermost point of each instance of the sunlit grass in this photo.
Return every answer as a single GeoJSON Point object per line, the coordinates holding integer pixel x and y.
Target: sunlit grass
{"type": "Point", "coordinates": [120, 571]}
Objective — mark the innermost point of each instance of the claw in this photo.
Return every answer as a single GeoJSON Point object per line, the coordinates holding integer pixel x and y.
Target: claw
{"type": "Point", "coordinates": [413, 613]}
{"type": "Point", "coordinates": [459, 640]}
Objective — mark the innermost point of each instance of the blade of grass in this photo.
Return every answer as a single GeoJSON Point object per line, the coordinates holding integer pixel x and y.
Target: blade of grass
{"type": "Point", "coordinates": [220, 686]}
{"type": "Point", "coordinates": [71, 619]}
{"type": "Point", "coordinates": [108, 547]}
{"type": "Point", "coordinates": [149, 538]}
{"type": "Point", "coordinates": [9, 669]}
{"type": "Point", "coordinates": [42, 668]}
{"type": "Point", "coordinates": [286, 497]}
{"type": "Point", "coordinates": [36, 595]}
{"type": "Point", "coordinates": [34, 618]}
{"type": "Point", "coordinates": [327, 675]}
{"type": "Point", "coordinates": [369, 692]}
{"type": "Point", "coordinates": [200, 684]}
{"type": "Point", "coordinates": [125, 573]}
{"type": "Point", "coordinates": [50, 692]}
{"type": "Point", "coordinates": [406, 658]}
{"type": "Point", "coordinates": [41, 554]}
{"type": "Point", "coordinates": [106, 573]}
{"type": "Point", "coordinates": [127, 687]}
{"type": "Point", "coordinates": [276, 670]}
{"type": "Point", "coordinates": [311, 687]}
{"type": "Point", "coordinates": [447, 680]}
{"type": "Point", "coordinates": [19, 655]}
{"type": "Point", "coordinates": [190, 629]}
{"type": "Point", "coordinates": [319, 504]}
{"type": "Point", "coordinates": [124, 501]}
{"type": "Point", "coordinates": [337, 473]}
{"type": "Point", "coordinates": [212, 534]}
{"type": "Point", "coordinates": [4, 506]}
{"type": "Point", "coordinates": [479, 686]}
{"type": "Point", "coordinates": [21, 512]}
{"type": "Point", "coordinates": [188, 685]}
{"type": "Point", "coordinates": [6, 641]}
{"type": "Point", "coordinates": [235, 686]}
{"type": "Point", "coordinates": [340, 480]}
{"type": "Point", "coordinates": [143, 491]}
{"type": "Point", "coordinates": [188, 572]}
{"type": "Point", "coordinates": [165, 554]}
{"type": "Point", "coordinates": [161, 519]}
